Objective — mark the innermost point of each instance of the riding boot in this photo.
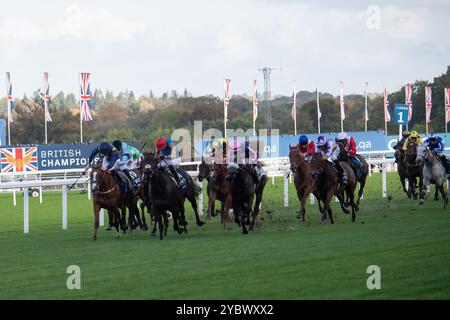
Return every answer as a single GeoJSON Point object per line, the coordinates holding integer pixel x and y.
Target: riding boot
{"type": "Point", "coordinates": [127, 173]}
{"type": "Point", "coordinates": [177, 177]}
{"type": "Point", "coordinates": [341, 173]}
{"type": "Point", "coordinates": [254, 174]}
{"type": "Point", "coordinates": [119, 181]}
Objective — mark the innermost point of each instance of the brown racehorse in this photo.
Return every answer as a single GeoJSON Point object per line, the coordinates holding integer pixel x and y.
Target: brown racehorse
{"type": "Point", "coordinates": [107, 195]}
{"type": "Point", "coordinates": [304, 181]}
{"type": "Point", "coordinates": [413, 170]}
{"type": "Point", "coordinates": [327, 186]}
{"type": "Point", "coordinates": [401, 165]}
{"type": "Point", "coordinates": [218, 189]}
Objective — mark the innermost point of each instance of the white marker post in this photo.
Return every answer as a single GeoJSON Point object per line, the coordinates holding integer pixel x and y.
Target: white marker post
{"type": "Point", "coordinates": [26, 221]}
{"type": "Point", "coordinates": [286, 189]}
{"type": "Point", "coordinates": [102, 217]}
{"type": "Point", "coordinates": [64, 207]}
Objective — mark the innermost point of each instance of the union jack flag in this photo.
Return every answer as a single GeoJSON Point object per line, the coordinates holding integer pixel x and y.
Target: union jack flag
{"type": "Point", "coordinates": [9, 97]}
{"type": "Point", "coordinates": [428, 103]}
{"type": "Point", "coordinates": [19, 159]}
{"type": "Point", "coordinates": [387, 115]}
{"type": "Point", "coordinates": [447, 105]}
{"type": "Point", "coordinates": [408, 100]}
{"type": "Point", "coordinates": [342, 101]}
{"type": "Point", "coordinates": [255, 100]}
{"type": "Point", "coordinates": [48, 117]}
{"type": "Point", "coordinates": [85, 97]}
{"type": "Point", "coordinates": [294, 105]}
{"type": "Point", "coordinates": [227, 98]}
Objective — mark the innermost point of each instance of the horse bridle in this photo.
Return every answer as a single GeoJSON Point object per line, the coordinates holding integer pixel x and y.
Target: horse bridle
{"type": "Point", "coordinates": [97, 191]}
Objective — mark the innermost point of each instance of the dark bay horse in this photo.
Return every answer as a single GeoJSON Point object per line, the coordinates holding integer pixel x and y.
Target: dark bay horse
{"type": "Point", "coordinates": [243, 192]}
{"type": "Point", "coordinates": [106, 194]}
{"type": "Point", "coordinates": [401, 165]}
{"type": "Point", "coordinates": [218, 189]}
{"type": "Point", "coordinates": [413, 170]}
{"type": "Point", "coordinates": [304, 181]}
{"type": "Point", "coordinates": [327, 186]}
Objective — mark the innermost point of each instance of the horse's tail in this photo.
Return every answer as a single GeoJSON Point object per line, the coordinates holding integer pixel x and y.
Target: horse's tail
{"type": "Point", "coordinates": [197, 189]}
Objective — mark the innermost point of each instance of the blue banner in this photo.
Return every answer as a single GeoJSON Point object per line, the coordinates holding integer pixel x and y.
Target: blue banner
{"type": "Point", "coordinates": [401, 113]}
{"type": "Point", "coordinates": [2, 132]}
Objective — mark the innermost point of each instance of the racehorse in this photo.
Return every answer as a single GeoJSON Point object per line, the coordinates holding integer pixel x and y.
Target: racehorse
{"type": "Point", "coordinates": [327, 186]}
{"type": "Point", "coordinates": [361, 179]}
{"type": "Point", "coordinates": [243, 191]}
{"type": "Point", "coordinates": [413, 170]}
{"type": "Point", "coordinates": [218, 189]}
{"type": "Point", "coordinates": [401, 165]}
{"type": "Point", "coordinates": [106, 194]}
{"type": "Point", "coordinates": [304, 181]}
{"type": "Point", "coordinates": [433, 172]}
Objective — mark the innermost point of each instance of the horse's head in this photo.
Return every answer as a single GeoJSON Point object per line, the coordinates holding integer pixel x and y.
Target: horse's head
{"type": "Point", "coordinates": [233, 170]}
{"type": "Point", "coordinates": [295, 157]}
{"type": "Point", "coordinates": [411, 152]}
{"type": "Point", "coordinates": [149, 164]}
{"type": "Point", "coordinates": [203, 171]}
{"type": "Point", "coordinates": [317, 164]}
{"type": "Point", "coordinates": [423, 155]}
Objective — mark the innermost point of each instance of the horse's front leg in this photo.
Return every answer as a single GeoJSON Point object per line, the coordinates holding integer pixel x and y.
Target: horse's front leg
{"type": "Point", "coordinates": [96, 220]}
{"type": "Point", "coordinates": [211, 201]}
{"type": "Point", "coordinates": [424, 189]}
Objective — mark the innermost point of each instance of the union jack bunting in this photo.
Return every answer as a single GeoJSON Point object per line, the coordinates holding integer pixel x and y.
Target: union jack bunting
{"type": "Point", "coordinates": [294, 105]}
{"type": "Point", "coordinates": [342, 101]}
{"type": "Point", "coordinates": [408, 100]}
{"type": "Point", "coordinates": [18, 159]}
{"type": "Point", "coordinates": [387, 115]}
{"type": "Point", "coordinates": [48, 117]}
{"type": "Point", "coordinates": [447, 105]}
{"type": "Point", "coordinates": [428, 103]}
{"type": "Point", "coordinates": [9, 97]}
{"type": "Point", "coordinates": [85, 97]}
{"type": "Point", "coordinates": [255, 100]}
{"type": "Point", "coordinates": [227, 98]}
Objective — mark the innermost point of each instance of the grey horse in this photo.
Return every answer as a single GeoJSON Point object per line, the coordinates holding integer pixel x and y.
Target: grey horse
{"type": "Point", "coordinates": [433, 172]}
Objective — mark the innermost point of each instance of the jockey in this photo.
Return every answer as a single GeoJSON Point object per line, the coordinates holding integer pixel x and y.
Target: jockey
{"type": "Point", "coordinates": [437, 145]}
{"type": "Point", "coordinates": [164, 147]}
{"type": "Point", "coordinates": [414, 137]}
{"type": "Point", "coordinates": [110, 156]}
{"type": "Point", "coordinates": [136, 155]}
{"type": "Point", "coordinates": [306, 146]}
{"type": "Point", "coordinates": [350, 148]}
{"type": "Point", "coordinates": [405, 136]}
{"type": "Point", "coordinates": [251, 157]}
{"type": "Point", "coordinates": [234, 148]}
{"type": "Point", "coordinates": [125, 161]}
{"type": "Point", "coordinates": [330, 151]}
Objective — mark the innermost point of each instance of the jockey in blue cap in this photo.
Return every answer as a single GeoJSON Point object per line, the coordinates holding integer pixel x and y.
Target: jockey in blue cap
{"type": "Point", "coordinates": [437, 145]}
{"type": "Point", "coordinates": [125, 161]}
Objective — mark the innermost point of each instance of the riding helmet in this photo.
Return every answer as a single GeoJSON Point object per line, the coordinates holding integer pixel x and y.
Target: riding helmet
{"type": "Point", "coordinates": [321, 141]}
{"type": "Point", "coordinates": [105, 148]}
{"type": "Point", "coordinates": [342, 136]}
{"type": "Point", "coordinates": [161, 143]}
{"type": "Point", "coordinates": [303, 139]}
{"type": "Point", "coordinates": [117, 144]}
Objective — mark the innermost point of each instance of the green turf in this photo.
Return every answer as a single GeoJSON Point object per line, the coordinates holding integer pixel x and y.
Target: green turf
{"type": "Point", "coordinates": [283, 259]}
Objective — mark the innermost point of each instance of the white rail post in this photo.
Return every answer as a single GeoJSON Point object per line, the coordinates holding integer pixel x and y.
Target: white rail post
{"type": "Point", "coordinates": [383, 178]}
{"type": "Point", "coordinates": [286, 189]}
{"type": "Point", "coordinates": [89, 190]}
{"type": "Point", "coordinates": [26, 221]}
{"type": "Point", "coordinates": [64, 207]}
{"type": "Point", "coordinates": [273, 180]}
{"type": "Point", "coordinates": [102, 217]}
{"type": "Point", "coordinates": [14, 198]}
{"type": "Point", "coordinates": [311, 198]}
{"type": "Point", "coordinates": [40, 195]}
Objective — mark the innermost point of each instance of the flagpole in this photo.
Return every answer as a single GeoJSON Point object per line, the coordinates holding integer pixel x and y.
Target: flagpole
{"type": "Point", "coordinates": [385, 108]}
{"type": "Point", "coordinates": [341, 104]}
{"type": "Point", "coordinates": [295, 111]}
{"type": "Point", "coordinates": [445, 108]}
{"type": "Point", "coordinates": [426, 109]}
{"type": "Point", "coordinates": [81, 116]}
{"type": "Point", "coordinates": [255, 98]}
{"type": "Point", "coordinates": [318, 108]}
{"type": "Point", "coordinates": [365, 108]}
{"type": "Point", "coordinates": [45, 122]}
{"type": "Point", "coordinates": [8, 108]}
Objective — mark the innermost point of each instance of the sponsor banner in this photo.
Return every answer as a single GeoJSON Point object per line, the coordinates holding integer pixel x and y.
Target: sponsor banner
{"type": "Point", "coordinates": [47, 157]}
{"type": "Point", "coordinates": [278, 146]}
{"type": "Point", "coordinates": [2, 132]}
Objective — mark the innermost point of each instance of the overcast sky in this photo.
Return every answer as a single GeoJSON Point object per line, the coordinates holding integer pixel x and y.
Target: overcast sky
{"type": "Point", "coordinates": [164, 45]}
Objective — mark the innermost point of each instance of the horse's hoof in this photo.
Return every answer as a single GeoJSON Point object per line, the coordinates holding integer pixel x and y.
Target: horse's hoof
{"type": "Point", "coordinates": [436, 199]}
{"type": "Point", "coordinates": [299, 216]}
{"type": "Point", "coordinates": [200, 223]}
{"type": "Point", "coordinates": [245, 232]}
{"type": "Point", "coordinates": [94, 238]}
{"type": "Point", "coordinates": [145, 227]}
{"type": "Point", "coordinates": [421, 202]}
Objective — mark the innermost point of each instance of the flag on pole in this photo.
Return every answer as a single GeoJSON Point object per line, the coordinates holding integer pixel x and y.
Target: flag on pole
{"type": "Point", "coordinates": [9, 97]}
{"type": "Point", "coordinates": [342, 102]}
{"type": "Point", "coordinates": [428, 103]}
{"type": "Point", "coordinates": [85, 97]}
{"type": "Point", "coordinates": [366, 112]}
{"type": "Point", "coordinates": [255, 100]}
{"type": "Point", "coordinates": [294, 105]}
{"type": "Point", "coordinates": [408, 100]}
{"type": "Point", "coordinates": [387, 115]}
{"type": "Point", "coordinates": [447, 104]}
{"type": "Point", "coordinates": [227, 98]}
{"type": "Point", "coordinates": [48, 117]}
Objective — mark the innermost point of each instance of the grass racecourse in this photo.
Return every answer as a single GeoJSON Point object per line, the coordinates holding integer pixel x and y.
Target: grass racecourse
{"type": "Point", "coordinates": [282, 259]}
